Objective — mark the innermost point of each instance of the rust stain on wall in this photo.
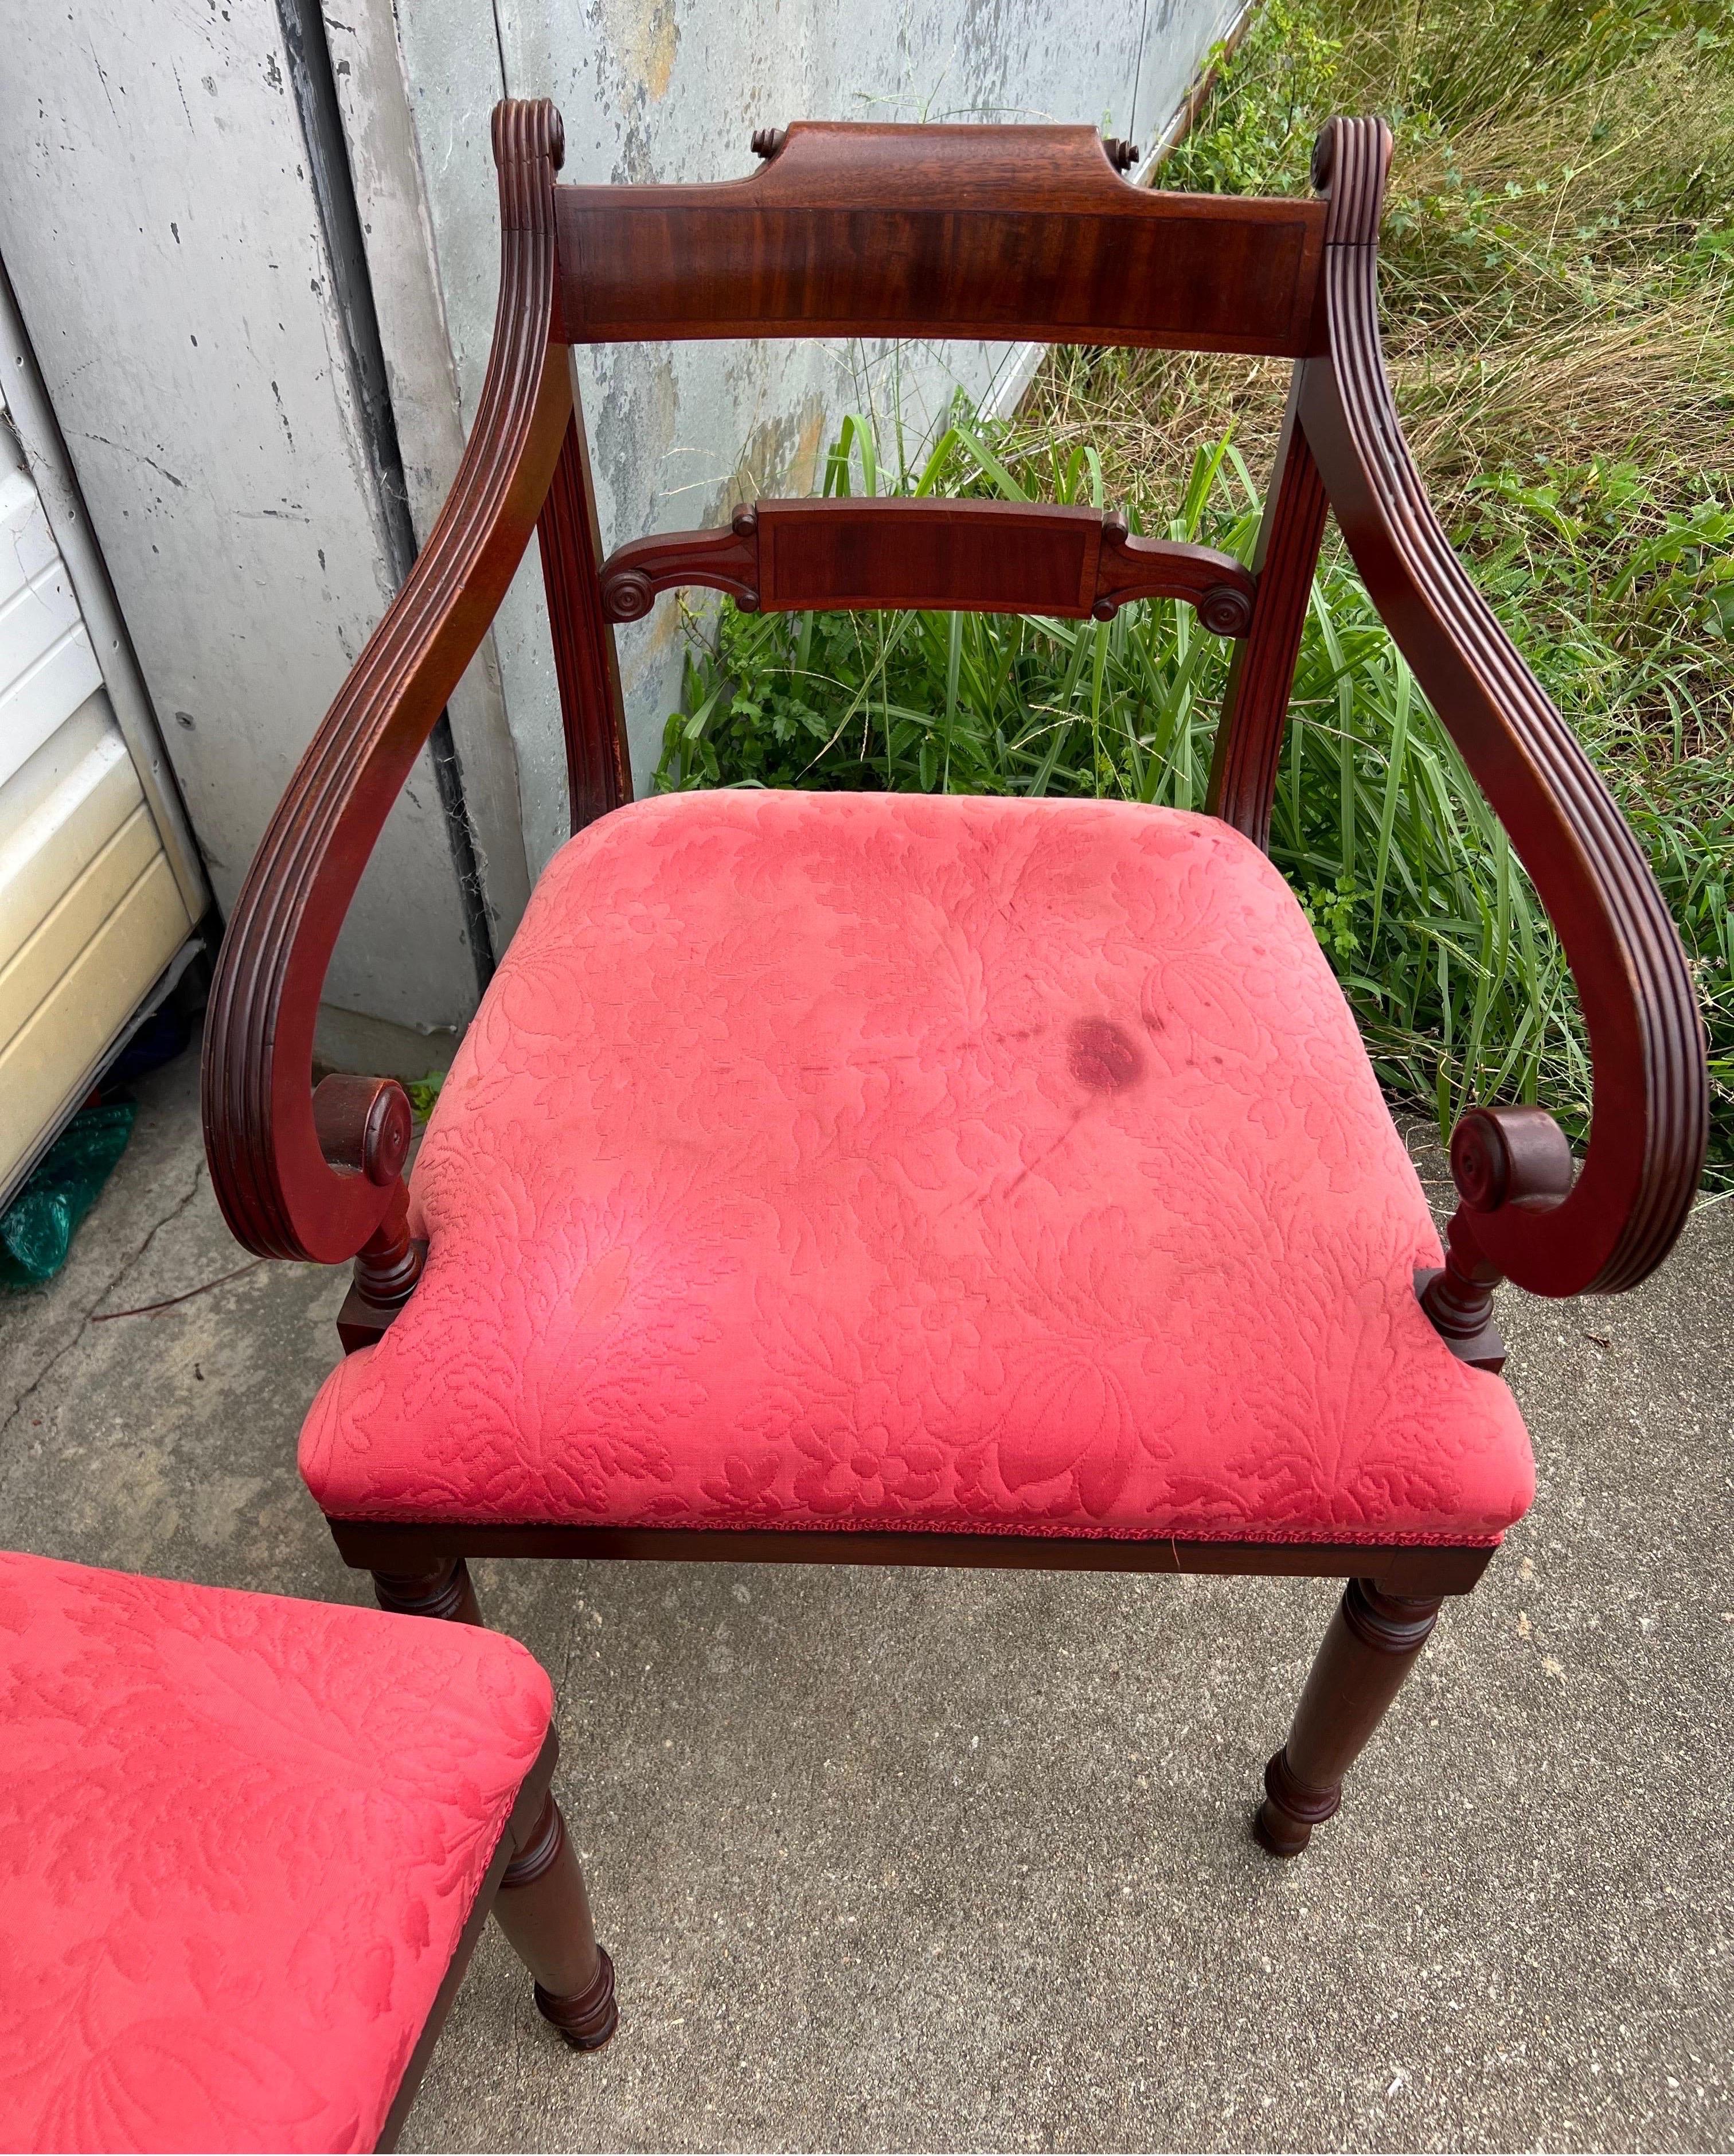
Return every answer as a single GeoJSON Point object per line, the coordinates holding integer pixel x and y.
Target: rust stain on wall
{"type": "Point", "coordinates": [781, 456]}
{"type": "Point", "coordinates": [645, 38]}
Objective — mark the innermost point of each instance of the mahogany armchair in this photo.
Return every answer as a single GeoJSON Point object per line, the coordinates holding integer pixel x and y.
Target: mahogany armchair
{"type": "Point", "coordinates": [890, 1179]}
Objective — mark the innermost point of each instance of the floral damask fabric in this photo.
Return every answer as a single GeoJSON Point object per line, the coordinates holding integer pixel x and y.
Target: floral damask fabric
{"type": "Point", "coordinates": [239, 1838]}
{"type": "Point", "coordinates": [847, 1160]}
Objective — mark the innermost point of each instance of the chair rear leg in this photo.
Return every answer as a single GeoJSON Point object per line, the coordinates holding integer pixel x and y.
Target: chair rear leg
{"type": "Point", "coordinates": [1371, 1646]}
{"type": "Point", "coordinates": [544, 1911]}
{"type": "Point", "coordinates": [447, 1592]}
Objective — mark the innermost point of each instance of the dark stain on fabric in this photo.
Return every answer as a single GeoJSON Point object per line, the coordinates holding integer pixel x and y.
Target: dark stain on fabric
{"type": "Point", "coordinates": [1103, 1057]}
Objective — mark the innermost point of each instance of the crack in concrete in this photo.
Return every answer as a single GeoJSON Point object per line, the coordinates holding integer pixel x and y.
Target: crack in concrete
{"type": "Point", "coordinates": [23, 1398]}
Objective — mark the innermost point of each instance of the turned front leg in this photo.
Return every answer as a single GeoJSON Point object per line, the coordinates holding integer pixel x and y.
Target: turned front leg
{"type": "Point", "coordinates": [445, 1592]}
{"type": "Point", "coordinates": [1371, 1646]}
{"type": "Point", "coordinates": [544, 1911]}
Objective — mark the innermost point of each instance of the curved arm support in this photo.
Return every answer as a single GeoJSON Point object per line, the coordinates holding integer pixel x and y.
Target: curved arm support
{"type": "Point", "coordinates": [1619, 1217]}
{"type": "Point", "coordinates": [279, 1193]}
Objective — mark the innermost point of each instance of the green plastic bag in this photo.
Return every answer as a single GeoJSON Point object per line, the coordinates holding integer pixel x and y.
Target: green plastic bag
{"type": "Point", "coordinates": [37, 1228]}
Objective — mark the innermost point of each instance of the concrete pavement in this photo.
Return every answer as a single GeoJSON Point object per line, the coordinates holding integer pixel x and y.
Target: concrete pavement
{"type": "Point", "coordinates": [916, 1860]}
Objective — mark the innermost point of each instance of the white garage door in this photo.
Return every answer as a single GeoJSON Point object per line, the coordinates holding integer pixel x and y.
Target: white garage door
{"type": "Point", "coordinates": [91, 913]}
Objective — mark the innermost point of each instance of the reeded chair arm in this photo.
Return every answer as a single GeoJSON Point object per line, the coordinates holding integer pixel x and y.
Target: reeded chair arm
{"type": "Point", "coordinates": [292, 1181]}
{"type": "Point", "coordinates": [1522, 1216]}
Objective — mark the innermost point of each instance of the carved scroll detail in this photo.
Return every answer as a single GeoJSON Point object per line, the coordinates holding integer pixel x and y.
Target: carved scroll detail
{"type": "Point", "coordinates": [1129, 568]}
{"type": "Point", "coordinates": [721, 561]}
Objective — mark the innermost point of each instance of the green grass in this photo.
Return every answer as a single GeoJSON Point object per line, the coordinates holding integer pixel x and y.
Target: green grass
{"type": "Point", "coordinates": [1557, 312]}
{"type": "Point", "coordinates": [424, 1094]}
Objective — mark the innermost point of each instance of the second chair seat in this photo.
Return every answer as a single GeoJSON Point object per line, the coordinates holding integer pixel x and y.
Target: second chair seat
{"type": "Point", "coordinates": [895, 1162]}
{"type": "Point", "coordinates": [245, 1846]}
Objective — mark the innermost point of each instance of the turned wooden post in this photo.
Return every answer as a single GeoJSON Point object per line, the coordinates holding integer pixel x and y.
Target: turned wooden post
{"type": "Point", "coordinates": [387, 1269]}
{"type": "Point", "coordinates": [1457, 1299]}
{"type": "Point", "coordinates": [1500, 1157]}
{"type": "Point", "coordinates": [364, 1127]}
{"type": "Point", "coordinates": [544, 1911]}
{"type": "Point", "coordinates": [446, 1592]}
{"type": "Point", "coordinates": [1371, 1646]}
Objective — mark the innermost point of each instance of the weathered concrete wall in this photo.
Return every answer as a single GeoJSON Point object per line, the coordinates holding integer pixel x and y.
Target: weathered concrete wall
{"type": "Point", "coordinates": [666, 90]}
{"type": "Point", "coordinates": [166, 239]}
{"type": "Point", "coordinates": [158, 222]}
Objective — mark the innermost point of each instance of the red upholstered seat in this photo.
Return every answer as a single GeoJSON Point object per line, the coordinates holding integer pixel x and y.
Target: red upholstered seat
{"type": "Point", "coordinates": [239, 1838]}
{"type": "Point", "coordinates": [859, 1161]}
